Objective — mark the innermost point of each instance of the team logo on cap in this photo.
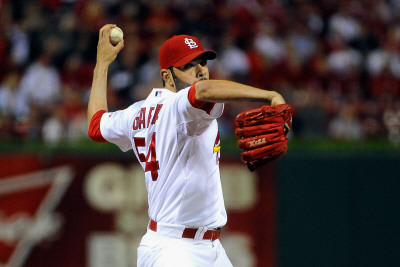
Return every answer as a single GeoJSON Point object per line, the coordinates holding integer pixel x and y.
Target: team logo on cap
{"type": "Point", "coordinates": [192, 44]}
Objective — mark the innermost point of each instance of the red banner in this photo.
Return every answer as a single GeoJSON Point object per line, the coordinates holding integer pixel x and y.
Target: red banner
{"type": "Point", "coordinates": [69, 210]}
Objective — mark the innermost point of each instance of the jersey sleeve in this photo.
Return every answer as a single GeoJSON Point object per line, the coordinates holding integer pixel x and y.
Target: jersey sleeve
{"type": "Point", "coordinates": [94, 127]}
{"type": "Point", "coordinates": [206, 106]}
{"type": "Point", "coordinates": [115, 127]}
{"type": "Point", "coordinates": [191, 108]}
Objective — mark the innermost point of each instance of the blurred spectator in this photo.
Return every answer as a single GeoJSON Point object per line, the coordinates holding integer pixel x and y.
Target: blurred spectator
{"type": "Point", "coordinates": [345, 126]}
{"type": "Point", "coordinates": [20, 50]}
{"type": "Point", "coordinates": [371, 120]}
{"type": "Point", "coordinates": [311, 116]}
{"type": "Point", "coordinates": [8, 102]}
{"type": "Point", "coordinates": [124, 72]}
{"type": "Point", "coordinates": [40, 85]}
{"type": "Point", "coordinates": [76, 73]}
{"type": "Point", "coordinates": [233, 62]}
{"type": "Point", "coordinates": [344, 23]}
{"type": "Point", "coordinates": [343, 61]}
{"type": "Point", "coordinates": [302, 42]}
{"type": "Point", "coordinates": [9, 95]}
{"type": "Point", "coordinates": [391, 118]}
{"type": "Point", "coordinates": [269, 43]}
{"type": "Point", "coordinates": [53, 130]}
{"type": "Point", "coordinates": [383, 65]}
{"type": "Point", "coordinates": [324, 56]}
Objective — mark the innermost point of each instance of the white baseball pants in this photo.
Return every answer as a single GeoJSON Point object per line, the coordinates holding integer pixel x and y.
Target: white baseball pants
{"type": "Point", "coordinates": [158, 250]}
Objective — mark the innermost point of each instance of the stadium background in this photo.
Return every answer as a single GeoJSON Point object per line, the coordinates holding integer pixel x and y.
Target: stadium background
{"type": "Point", "coordinates": [332, 201]}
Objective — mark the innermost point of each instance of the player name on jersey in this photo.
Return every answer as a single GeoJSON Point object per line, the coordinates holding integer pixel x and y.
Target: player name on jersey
{"type": "Point", "coordinates": [140, 121]}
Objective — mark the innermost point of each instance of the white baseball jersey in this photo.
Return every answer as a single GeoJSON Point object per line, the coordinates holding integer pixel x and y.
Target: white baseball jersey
{"type": "Point", "coordinates": [177, 144]}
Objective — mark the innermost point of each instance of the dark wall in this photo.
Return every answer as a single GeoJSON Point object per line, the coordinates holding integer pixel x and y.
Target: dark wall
{"type": "Point", "coordinates": [338, 209]}
{"type": "Point", "coordinates": [314, 209]}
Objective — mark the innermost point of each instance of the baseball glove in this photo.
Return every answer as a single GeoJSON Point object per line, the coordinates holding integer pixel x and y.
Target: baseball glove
{"type": "Point", "coordinates": [263, 132]}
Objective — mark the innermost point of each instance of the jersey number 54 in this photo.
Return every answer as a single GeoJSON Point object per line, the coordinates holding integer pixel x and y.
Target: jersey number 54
{"type": "Point", "coordinates": [151, 165]}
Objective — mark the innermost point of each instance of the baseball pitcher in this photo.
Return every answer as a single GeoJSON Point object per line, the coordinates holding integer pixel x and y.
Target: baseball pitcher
{"type": "Point", "coordinates": [174, 136]}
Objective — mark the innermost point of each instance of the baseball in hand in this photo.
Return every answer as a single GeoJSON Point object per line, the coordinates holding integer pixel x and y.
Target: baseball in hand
{"type": "Point", "coordinates": [116, 35]}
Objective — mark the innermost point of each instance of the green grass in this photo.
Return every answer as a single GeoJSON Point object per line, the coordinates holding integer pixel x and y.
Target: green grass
{"type": "Point", "coordinates": [229, 148]}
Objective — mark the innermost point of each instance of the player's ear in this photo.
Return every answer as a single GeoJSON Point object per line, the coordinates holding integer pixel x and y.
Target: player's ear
{"type": "Point", "coordinates": [167, 77]}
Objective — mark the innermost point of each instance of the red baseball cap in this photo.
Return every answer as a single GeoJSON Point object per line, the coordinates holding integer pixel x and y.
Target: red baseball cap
{"type": "Point", "coordinates": [180, 50]}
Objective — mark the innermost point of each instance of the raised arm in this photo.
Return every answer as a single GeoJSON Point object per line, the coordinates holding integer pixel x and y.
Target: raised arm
{"type": "Point", "coordinates": [106, 54]}
{"type": "Point", "coordinates": [228, 91]}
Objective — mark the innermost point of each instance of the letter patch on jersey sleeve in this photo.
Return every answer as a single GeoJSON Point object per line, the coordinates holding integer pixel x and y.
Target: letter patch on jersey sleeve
{"type": "Point", "coordinates": [217, 147]}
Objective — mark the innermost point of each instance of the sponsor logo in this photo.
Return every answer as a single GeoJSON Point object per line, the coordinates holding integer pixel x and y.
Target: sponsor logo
{"type": "Point", "coordinates": [27, 217]}
{"type": "Point", "coordinates": [257, 142]}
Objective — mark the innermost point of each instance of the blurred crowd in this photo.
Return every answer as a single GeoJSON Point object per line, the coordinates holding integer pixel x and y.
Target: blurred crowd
{"type": "Point", "coordinates": [336, 62]}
